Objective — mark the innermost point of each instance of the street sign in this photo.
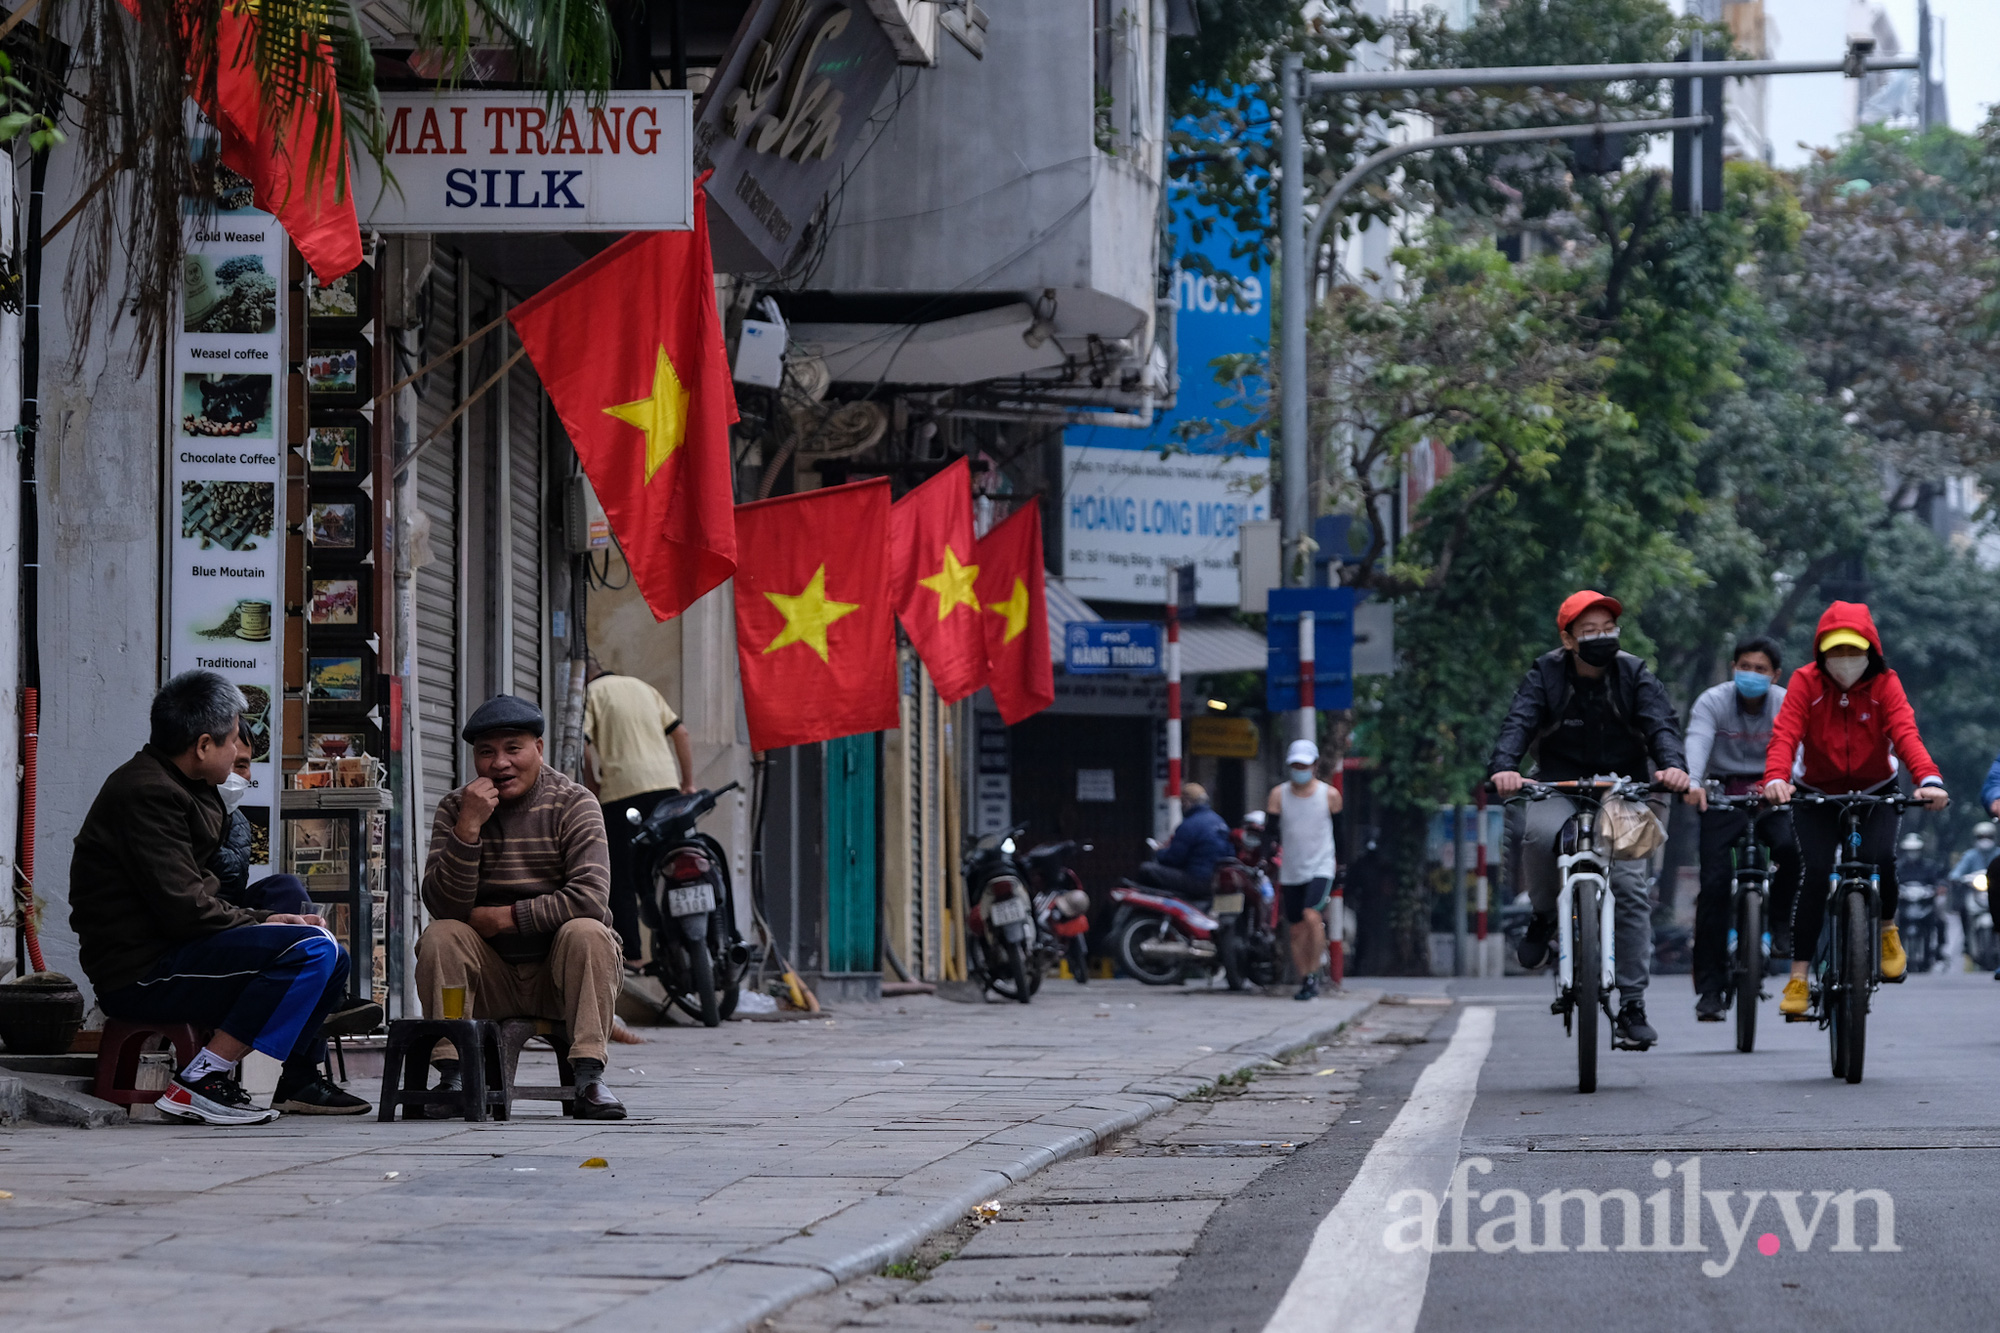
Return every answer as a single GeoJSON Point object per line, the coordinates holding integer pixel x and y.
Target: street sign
{"type": "Point", "coordinates": [1111, 647]}
{"type": "Point", "coordinates": [507, 162]}
{"type": "Point", "coordinates": [1333, 647]}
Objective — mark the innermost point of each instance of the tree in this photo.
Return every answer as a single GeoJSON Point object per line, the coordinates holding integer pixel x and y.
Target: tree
{"type": "Point", "coordinates": [138, 61]}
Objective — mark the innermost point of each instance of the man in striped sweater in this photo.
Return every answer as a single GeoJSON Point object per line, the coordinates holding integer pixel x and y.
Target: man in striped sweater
{"type": "Point", "coordinates": [518, 886]}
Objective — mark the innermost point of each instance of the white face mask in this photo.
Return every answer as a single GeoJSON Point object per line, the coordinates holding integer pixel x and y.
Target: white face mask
{"type": "Point", "coordinates": [232, 790]}
{"type": "Point", "coordinates": [1846, 670]}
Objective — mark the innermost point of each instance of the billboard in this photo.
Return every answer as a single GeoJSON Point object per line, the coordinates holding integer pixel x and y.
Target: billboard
{"type": "Point", "coordinates": [1137, 501]}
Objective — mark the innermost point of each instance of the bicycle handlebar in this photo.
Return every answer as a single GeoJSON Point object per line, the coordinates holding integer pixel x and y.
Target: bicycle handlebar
{"type": "Point", "coordinates": [1898, 800]}
{"type": "Point", "coordinates": [1599, 788]}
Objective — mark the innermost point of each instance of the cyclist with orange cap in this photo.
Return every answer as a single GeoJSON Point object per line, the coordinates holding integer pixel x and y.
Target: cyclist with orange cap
{"type": "Point", "coordinates": [1589, 711]}
{"type": "Point", "coordinates": [1844, 716]}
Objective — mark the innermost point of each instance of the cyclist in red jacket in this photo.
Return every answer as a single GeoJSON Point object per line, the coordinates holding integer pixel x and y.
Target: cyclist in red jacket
{"type": "Point", "coordinates": [1844, 714]}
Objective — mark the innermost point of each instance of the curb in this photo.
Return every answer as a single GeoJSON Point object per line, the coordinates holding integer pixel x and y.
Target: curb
{"type": "Point", "coordinates": [745, 1289]}
{"type": "Point", "coordinates": [55, 1100]}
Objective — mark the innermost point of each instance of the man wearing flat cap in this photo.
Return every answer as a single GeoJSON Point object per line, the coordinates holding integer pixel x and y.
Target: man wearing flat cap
{"type": "Point", "coordinates": [518, 886]}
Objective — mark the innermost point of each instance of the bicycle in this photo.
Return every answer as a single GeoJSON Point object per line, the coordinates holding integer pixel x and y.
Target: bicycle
{"type": "Point", "coordinates": [1749, 894]}
{"type": "Point", "coordinates": [1586, 959]}
{"type": "Point", "coordinates": [1847, 963]}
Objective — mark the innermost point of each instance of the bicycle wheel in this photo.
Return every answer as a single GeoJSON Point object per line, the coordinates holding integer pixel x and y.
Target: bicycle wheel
{"type": "Point", "coordinates": [1584, 986]}
{"type": "Point", "coordinates": [1749, 966]}
{"type": "Point", "coordinates": [1859, 964]}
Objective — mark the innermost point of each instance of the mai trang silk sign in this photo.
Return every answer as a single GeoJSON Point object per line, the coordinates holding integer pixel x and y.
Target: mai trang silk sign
{"type": "Point", "coordinates": [508, 162]}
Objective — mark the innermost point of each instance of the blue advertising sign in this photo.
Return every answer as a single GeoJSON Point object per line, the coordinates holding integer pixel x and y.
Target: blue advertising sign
{"type": "Point", "coordinates": [1137, 502]}
{"type": "Point", "coordinates": [1333, 647]}
{"type": "Point", "coordinates": [1112, 648]}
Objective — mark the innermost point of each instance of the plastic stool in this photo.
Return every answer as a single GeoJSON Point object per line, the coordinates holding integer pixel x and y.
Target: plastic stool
{"type": "Point", "coordinates": [119, 1049]}
{"type": "Point", "coordinates": [407, 1060]}
{"type": "Point", "coordinates": [515, 1033]}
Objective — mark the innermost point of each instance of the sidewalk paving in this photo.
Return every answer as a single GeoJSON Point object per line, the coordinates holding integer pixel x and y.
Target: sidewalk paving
{"type": "Point", "coordinates": [763, 1163]}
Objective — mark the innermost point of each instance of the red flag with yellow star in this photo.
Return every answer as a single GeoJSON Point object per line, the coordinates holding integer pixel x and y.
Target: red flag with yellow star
{"type": "Point", "coordinates": [1014, 599]}
{"type": "Point", "coordinates": [629, 347]}
{"type": "Point", "coordinates": [815, 631]}
{"type": "Point", "coordinates": [931, 575]}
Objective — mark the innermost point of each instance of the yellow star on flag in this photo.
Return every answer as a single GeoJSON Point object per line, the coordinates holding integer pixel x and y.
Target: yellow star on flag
{"type": "Point", "coordinates": [953, 584]}
{"type": "Point", "coordinates": [1015, 608]}
{"type": "Point", "coordinates": [662, 415]}
{"type": "Point", "coordinates": [807, 615]}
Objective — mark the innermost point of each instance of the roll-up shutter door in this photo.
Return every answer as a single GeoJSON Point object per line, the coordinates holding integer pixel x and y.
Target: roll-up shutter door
{"type": "Point", "coordinates": [437, 580]}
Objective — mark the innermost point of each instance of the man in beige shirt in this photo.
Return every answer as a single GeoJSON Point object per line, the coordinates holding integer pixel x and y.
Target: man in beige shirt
{"type": "Point", "coordinates": [639, 754]}
{"type": "Point", "coordinates": [517, 886]}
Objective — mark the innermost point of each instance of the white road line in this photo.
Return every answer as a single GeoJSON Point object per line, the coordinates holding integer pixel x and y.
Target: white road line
{"type": "Point", "coordinates": [1351, 1282]}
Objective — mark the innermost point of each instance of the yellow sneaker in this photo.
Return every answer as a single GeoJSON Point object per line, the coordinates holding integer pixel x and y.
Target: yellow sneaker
{"type": "Point", "coordinates": [1793, 1002]}
{"type": "Point", "coordinates": [1894, 960]}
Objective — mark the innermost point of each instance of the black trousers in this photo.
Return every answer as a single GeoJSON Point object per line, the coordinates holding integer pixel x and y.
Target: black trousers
{"type": "Point", "coordinates": [1719, 829]}
{"type": "Point", "coordinates": [1171, 879]}
{"type": "Point", "coordinates": [626, 894]}
{"type": "Point", "coordinates": [1819, 838]}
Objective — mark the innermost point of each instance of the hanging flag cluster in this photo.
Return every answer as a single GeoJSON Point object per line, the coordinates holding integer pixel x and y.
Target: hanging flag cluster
{"type": "Point", "coordinates": [630, 350]}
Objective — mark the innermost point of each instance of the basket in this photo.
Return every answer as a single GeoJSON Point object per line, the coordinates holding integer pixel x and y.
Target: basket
{"type": "Point", "coordinates": [40, 1014]}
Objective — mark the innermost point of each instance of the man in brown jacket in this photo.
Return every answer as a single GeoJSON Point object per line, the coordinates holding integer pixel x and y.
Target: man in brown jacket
{"type": "Point", "coordinates": [159, 942]}
{"type": "Point", "coordinates": [518, 884]}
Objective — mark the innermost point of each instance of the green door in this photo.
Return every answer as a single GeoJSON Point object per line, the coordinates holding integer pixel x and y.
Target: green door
{"type": "Point", "coordinates": [850, 854]}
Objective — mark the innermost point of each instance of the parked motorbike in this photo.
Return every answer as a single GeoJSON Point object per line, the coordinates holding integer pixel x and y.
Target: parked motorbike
{"type": "Point", "coordinates": [1249, 943]}
{"type": "Point", "coordinates": [690, 907]}
{"type": "Point", "coordinates": [1000, 925]}
{"type": "Point", "coordinates": [1062, 908]}
{"type": "Point", "coordinates": [1920, 916]}
{"type": "Point", "coordinates": [1162, 939]}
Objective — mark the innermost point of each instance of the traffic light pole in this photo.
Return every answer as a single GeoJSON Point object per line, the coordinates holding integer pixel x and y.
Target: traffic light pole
{"type": "Point", "coordinates": [1294, 249]}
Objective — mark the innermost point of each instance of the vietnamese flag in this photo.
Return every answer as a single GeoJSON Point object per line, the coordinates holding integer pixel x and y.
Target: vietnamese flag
{"type": "Point", "coordinates": [629, 347]}
{"type": "Point", "coordinates": [316, 210]}
{"type": "Point", "coordinates": [815, 632]}
{"type": "Point", "coordinates": [932, 573]}
{"type": "Point", "coordinates": [1014, 598]}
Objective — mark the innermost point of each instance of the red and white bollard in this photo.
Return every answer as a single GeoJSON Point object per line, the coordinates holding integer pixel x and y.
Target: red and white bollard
{"type": "Point", "coordinates": [1173, 701]}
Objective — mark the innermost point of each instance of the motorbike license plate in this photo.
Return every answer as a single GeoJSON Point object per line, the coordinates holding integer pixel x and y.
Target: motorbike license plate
{"type": "Point", "coordinates": [1226, 902]}
{"type": "Point", "coordinates": [1006, 911]}
{"type": "Point", "coordinates": [691, 900]}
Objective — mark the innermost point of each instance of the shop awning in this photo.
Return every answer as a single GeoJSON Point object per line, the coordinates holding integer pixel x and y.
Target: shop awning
{"type": "Point", "coordinates": [1064, 606]}
{"type": "Point", "coordinates": [1212, 647]}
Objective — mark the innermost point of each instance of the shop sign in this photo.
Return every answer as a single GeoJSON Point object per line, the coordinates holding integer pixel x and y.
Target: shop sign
{"type": "Point", "coordinates": [1137, 503]}
{"type": "Point", "coordinates": [1111, 647]}
{"type": "Point", "coordinates": [509, 162]}
{"type": "Point", "coordinates": [1222, 737]}
{"type": "Point", "coordinates": [799, 82]}
{"type": "Point", "coordinates": [226, 536]}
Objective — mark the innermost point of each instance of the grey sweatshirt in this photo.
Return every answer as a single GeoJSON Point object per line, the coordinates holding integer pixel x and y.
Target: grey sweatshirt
{"type": "Point", "coordinates": [1726, 740]}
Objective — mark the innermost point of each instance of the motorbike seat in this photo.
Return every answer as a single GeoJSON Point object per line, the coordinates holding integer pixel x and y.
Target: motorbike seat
{"type": "Point", "coordinates": [1051, 854]}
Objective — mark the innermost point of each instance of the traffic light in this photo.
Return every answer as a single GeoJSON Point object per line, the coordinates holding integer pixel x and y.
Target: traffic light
{"type": "Point", "coordinates": [1687, 199]}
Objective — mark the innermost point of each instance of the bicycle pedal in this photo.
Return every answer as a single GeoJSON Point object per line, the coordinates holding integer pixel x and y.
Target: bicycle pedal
{"type": "Point", "coordinates": [1559, 1007]}
{"type": "Point", "coordinates": [1895, 981]}
{"type": "Point", "coordinates": [1620, 1044]}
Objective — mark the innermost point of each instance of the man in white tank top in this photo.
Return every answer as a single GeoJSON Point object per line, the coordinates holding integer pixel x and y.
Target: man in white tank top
{"type": "Point", "coordinates": [1303, 809]}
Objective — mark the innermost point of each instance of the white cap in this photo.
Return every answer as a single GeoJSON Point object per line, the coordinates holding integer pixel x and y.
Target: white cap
{"type": "Point", "coordinates": [1302, 752]}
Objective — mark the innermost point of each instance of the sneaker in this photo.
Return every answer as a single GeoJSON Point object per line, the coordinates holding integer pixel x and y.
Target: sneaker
{"type": "Point", "coordinates": [1796, 999]}
{"type": "Point", "coordinates": [352, 1020]}
{"type": "Point", "coordinates": [216, 1098]}
{"type": "Point", "coordinates": [1534, 952]}
{"type": "Point", "coordinates": [322, 1096]}
{"type": "Point", "coordinates": [450, 1079]}
{"type": "Point", "coordinates": [1709, 1008]}
{"type": "Point", "coordinates": [1634, 1033]}
{"type": "Point", "coordinates": [1894, 960]}
{"type": "Point", "coordinates": [1309, 988]}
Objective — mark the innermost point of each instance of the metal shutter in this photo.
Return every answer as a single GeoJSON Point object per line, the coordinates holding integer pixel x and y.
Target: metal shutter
{"type": "Point", "coordinates": [437, 582]}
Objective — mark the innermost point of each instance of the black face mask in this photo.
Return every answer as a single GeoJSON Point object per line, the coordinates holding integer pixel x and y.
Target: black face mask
{"type": "Point", "coordinates": [1599, 651]}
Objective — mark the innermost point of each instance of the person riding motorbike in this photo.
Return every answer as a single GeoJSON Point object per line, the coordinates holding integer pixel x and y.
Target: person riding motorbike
{"type": "Point", "coordinates": [1589, 710]}
{"type": "Point", "coordinates": [1185, 867]}
{"type": "Point", "coordinates": [1729, 729]}
{"type": "Point", "coordinates": [1978, 856]}
{"type": "Point", "coordinates": [1844, 715]}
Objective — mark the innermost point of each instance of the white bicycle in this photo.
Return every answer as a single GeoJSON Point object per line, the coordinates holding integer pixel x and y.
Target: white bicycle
{"type": "Point", "coordinates": [1586, 916]}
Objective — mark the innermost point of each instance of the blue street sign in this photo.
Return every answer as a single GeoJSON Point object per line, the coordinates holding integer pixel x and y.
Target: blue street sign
{"type": "Point", "coordinates": [1333, 647]}
{"type": "Point", "coordinates": [1112, 648]}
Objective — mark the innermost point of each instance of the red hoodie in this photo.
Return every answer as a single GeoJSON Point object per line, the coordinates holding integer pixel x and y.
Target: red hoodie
{"type": "Point", "coordinates": [1847, 734]}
